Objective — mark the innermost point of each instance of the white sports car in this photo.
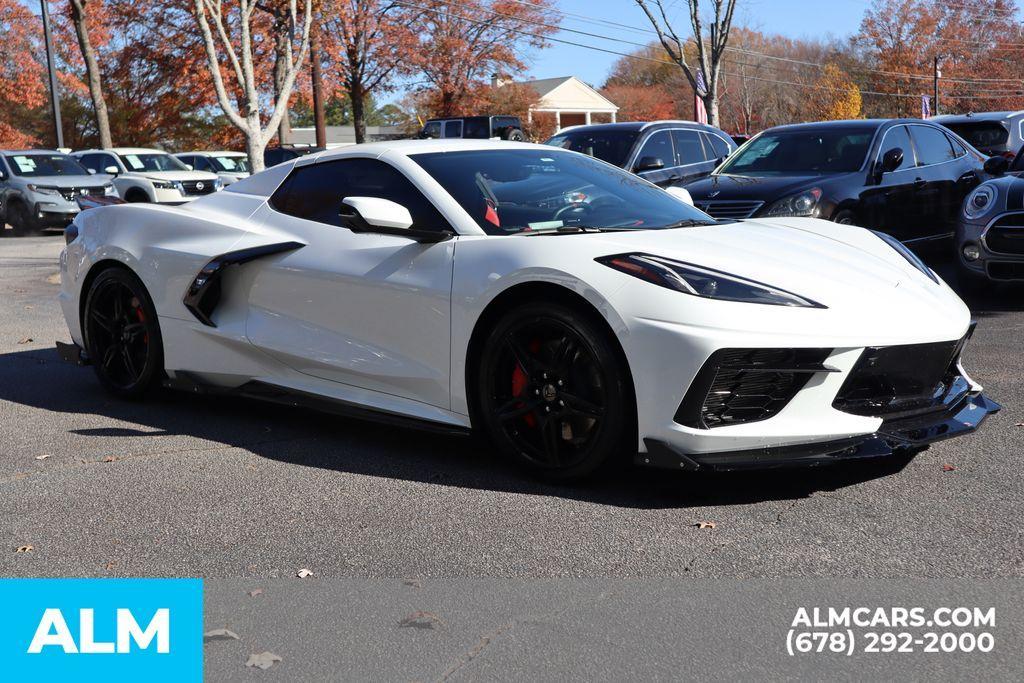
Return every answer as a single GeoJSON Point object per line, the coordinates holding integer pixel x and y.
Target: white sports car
{"type": "Point", "coordinates": [569, 310]}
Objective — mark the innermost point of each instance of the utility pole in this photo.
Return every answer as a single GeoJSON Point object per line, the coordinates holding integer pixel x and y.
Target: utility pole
{"type": "Point", "coordinates": [54, 94]}
{"type": "Point", "coordinates": [318, 92]}
{"type": "Point", "coordinates": [935, 86]}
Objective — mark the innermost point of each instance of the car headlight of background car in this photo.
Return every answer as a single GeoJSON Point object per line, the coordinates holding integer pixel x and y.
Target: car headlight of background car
{"type": "Point", "coordinates": [42, 189]}
{"type": "Point", "coordinates": [703, 282]}
{"type": "Point", "coordinates": [218, 185]}
{"type": "Point", "coordinates": [906, 253]}
{"type": "Point", "coordinates": [109, 190]}
{"type": "Point", "coordinates": [168, 185]}
{"type": "Point", "coordinates": [980, 201]}
{"type": "Point", "coordinates": [801, 204]}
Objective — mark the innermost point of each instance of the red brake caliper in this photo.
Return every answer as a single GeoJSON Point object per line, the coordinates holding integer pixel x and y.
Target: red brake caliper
{"type": "Point", "coordinates": [141, 316]}
{"type": "Point", "coordinates": [520, 382]}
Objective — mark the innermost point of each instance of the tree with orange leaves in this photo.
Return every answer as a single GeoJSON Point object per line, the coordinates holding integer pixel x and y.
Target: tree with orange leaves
{"type": "Point", "coordinates": [835, 97]}
{"type": "Point", "coordinates": [22, 78]}
{"type": "Point", "coordinates": [462, 44]}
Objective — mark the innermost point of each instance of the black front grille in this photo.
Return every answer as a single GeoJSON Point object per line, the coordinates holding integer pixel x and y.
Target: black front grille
{"type": "Point", "coordinates": [71, 193]}
{"type": "Point", "coordinates": [1006, 270]}
{"type": "Point", "coordinates": [729, 208]}
{"type": "Point", "coordinates": [747, 385]}
{"type": "Point", "coordinates": [198, 186]}
{"type": "Point", "coordinates": [893, 381]}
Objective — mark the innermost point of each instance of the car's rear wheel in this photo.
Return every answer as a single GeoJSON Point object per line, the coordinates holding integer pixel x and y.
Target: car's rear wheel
{"type": "Point", "coordinates": [552, 392]}
{"type": "Point", "coordinates": [122, 333]}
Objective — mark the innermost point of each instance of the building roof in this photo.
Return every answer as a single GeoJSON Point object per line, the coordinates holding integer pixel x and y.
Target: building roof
{"type": "Point", "coordinates": [569, 93]}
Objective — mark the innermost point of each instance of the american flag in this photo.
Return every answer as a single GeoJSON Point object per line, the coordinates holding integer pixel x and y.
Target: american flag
{"type": "Point", "coordinates": [926, 107]}
{"type": "Point", "coordinates": [700, 114]}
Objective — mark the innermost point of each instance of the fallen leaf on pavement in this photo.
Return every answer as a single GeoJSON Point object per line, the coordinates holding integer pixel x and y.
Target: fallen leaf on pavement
{"type": "Point", "coordinates": [948, 468]}
{"type": "Point", "coordinates": [263, 660]}
{"type": "Point", "coordinates": [254, 592]}
{"type": "Point", "coordinates": [415, 583]}
{"type": "Point", "coordinates": [1019, 424]}
{"type": "Point", "coordinates": [110, 565]}
{"type": "Point", "coordinates": [44, 456]}
{"type": "Point", "coordinates": [110, 458]}
{"type": "Point", "coordinates": [219, 634]}
{"type": "Point", "coordinates": [705, 525]}
{"type": "Point", "coordinates": [303, 573]}
{"type": "Point", "coordinates": [26, 340]}
{"type": "Point", "coordinates": [427, 620]}
{"type": "Point", "coordinates": [24, 549]}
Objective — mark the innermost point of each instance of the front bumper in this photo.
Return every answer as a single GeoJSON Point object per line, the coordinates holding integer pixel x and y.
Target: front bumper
{"type": "Point", "coordinates": [54, 214]}
{"type": "Point", "coordinates": [1000, 258]}
{"type": "Point", "coordinates": [961, 416]}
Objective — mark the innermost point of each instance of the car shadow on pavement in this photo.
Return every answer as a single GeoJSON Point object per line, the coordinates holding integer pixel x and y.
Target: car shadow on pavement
{"type": "Point", "coordinates": [39, 380]}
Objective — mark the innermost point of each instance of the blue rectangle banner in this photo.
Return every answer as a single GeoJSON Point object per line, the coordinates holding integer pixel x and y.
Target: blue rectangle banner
{"type": "Point", "coordinates": [111, 629]}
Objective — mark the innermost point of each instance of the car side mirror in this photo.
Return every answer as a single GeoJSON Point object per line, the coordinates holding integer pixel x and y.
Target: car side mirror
{"type": "Point", "coordinates": [112, 170]}
{"type": "Point", "coordinates": [92, 171]}
{"type": "Point", "coordinates": [190, 167]}
{"type": "Point", "coordinates": [648, 164]}
{"type": "Point", "coordinates": [680, 193]}
{"type": "Point", "coordinates": [997, 165]}
{"type": "Point", "coordinates": [891, 160]}
{"type": "Point", "coordinates": [383, 216]}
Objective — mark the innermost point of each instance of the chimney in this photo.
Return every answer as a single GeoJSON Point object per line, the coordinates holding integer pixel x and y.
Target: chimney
{"type": "Point", "coordinates": [497, 80]}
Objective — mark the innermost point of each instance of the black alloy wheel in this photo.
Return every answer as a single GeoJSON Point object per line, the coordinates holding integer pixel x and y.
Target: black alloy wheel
{"type": "Point", "coordinates": [553, 393]}
{"type": "Point", "coordinates": [845, 217]}
{"type": "Point", "coordinates": [122, 334]}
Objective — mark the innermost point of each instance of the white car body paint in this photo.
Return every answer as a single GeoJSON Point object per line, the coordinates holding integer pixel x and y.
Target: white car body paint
{"type": "Point", "coordinates": [385, 322]}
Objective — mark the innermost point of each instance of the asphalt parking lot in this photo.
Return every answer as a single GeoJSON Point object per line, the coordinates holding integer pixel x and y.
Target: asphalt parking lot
{"type": "Point", "coordinates": [192, 486]}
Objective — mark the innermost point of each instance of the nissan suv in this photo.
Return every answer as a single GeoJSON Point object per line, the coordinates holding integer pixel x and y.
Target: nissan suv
{"type": "Point", "coordinates": [149, 175]}
{"type": "Point", "coordinates": [39, 188]}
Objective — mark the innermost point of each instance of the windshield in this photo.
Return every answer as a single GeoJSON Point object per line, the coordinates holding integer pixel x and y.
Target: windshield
{"type": "Point", "coordinates": [38, 165]}
{"type": "Point", "coordinates": [799, 152]}
{"type": "Point", "coordinates": [519, 190]}
{"type": "Point", "coordinates": [153, 162]}
{"type": "Point", "coordinates": [612, 146]}
{"type": "Point", "coordinates": [981, 134]}
{"type": "Point", "coordinates": [230, 164]}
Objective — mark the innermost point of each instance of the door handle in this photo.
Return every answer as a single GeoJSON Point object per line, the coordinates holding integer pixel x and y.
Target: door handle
{"type": "Point", "coordinates": [920, 183]}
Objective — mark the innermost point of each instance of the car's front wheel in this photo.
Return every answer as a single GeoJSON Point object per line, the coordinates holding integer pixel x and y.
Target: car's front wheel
{"type": "Point", "coordinates": [552, 392]}
{"type": "Point", "coordinates": [21, 219]}
{"type": "Point", "coordinates": [122, 333]}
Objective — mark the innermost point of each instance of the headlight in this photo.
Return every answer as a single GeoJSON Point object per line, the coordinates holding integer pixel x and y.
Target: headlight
{"type": "Point", "coordinates": [162, 185]}
{"type": "Point", "coordinates": [910, 256]}
{"type": "Point", "coordinates": [218, 185]}
{"type": "Point", "coordinates": [802, 204]}
{"type": "Point", "coordinates": [980, 201]}
{"type": "Point", "coordinates": [703, 282]}
{"type": "Point", "coordinates": [42, 189]}
{"type": "Point", "coordinates": [109, 190]}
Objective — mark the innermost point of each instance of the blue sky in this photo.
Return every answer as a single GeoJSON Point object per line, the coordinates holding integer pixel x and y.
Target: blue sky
{"type": "Point", "coordinates": [793, 18]}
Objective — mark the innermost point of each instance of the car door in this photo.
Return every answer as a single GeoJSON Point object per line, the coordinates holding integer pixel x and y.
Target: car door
{"type": "Point", "coordinates": [657, 145]}
{"type": "Point", "coordinates": [693, 159]}
{"type": "Point", "coordinates": [887, 200]}
{"type": "Point", "coordinates": [968, 173]}
{"type": "Point", "coordinates": [935, 182]}
{"type": "Point", "coordinates": [367, 310]}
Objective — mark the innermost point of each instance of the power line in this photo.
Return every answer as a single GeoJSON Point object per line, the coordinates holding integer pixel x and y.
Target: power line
{"type": "Point", "coordinates": [660, 61]}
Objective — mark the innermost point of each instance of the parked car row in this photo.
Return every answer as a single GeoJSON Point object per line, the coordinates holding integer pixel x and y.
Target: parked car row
{"type": "Point", "coordinates": [40, 188]}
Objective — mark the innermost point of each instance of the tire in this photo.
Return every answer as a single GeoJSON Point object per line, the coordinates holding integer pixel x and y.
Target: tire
{"type": "Point", "coordinates": [552, 393]}
{"type": "Point", "coordinates": [20, 219]}
{"type": "Point", "coordinates": [122, 334]}
{"type": "Point", "coordinates": [514, 135]}
{"type": "Point", "coordinates": [845, 217]}
{"type": "Point", "coordinates": [136, 195]}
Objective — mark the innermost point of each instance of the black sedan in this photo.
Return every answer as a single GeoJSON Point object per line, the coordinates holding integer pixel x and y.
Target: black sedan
{"type": "Point", "coordinates": [904, 177]}
{"type": "Point", "coordinates": [990, 233]}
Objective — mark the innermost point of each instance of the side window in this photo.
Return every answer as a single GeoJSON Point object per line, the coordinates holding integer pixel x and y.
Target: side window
{"type": "Point", "coordinates": [958, 149]}
{"type": "Point", "coordinates": [188, 161]}
{"type": "Point", "coordinates": [90, 162]}
{"type": "Point", "coordinates": [688, 147]}
{"type": "Point", "coordinates": [932, 145]}
{"type": "Point", "coordinates": [718, 146]}
{"type": "Point", "coordinates": [658, 145]}
{"type": "Point", "coordinates": [432, 129]}
{"type": "Point", "coordinates": [315, 192]}
{"type": "Point", "coordinates": [106, 160]}
{"type": "Point", "coordinates": [898, 137]}
{"type": "Point", "coordinates": [453, 129]}
{"type": "Point", "coordinates": [201, 164]}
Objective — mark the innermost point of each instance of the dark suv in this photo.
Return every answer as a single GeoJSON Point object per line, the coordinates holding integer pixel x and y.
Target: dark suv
{"type": "Point", "coordinates": [474, 127]}
{"type": "Point", "coordinates": [995, 133]}
{"type": "Point", "coordinates": [663, 152]}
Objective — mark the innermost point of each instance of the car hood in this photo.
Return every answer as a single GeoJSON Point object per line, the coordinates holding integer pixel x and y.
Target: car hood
{"type": "Point", "coordinates": [834, 265]}
{"type": "Point", "coordinates": [764, 188]}
{"type": "Point", "coordinates": [70, 180]}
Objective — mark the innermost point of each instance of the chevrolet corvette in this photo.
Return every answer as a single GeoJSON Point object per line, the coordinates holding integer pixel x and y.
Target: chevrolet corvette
{"type": "Point", "coordinates": [571, 312]}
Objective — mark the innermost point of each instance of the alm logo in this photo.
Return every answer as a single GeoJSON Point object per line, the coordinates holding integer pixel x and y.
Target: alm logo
{"type": "Point", "coordinates": [53, 631]}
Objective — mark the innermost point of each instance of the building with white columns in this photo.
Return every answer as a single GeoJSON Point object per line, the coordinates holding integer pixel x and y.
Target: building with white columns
{"type": "Point", "coordinates": [572, 101]}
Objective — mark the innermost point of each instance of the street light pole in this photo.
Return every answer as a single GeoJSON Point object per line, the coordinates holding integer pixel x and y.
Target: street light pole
{"type": "Point", "coordinates": [54, 95]}
{"type": "Point", "coordinates": [935, 86]}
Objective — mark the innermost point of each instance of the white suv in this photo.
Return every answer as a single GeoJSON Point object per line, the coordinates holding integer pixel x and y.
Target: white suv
{"type": "Point", "coordinates": [149, 175]}
{"type": "Point", "coordinates": [230, 167]}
